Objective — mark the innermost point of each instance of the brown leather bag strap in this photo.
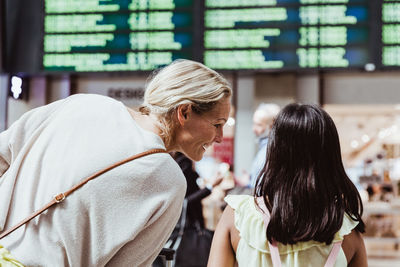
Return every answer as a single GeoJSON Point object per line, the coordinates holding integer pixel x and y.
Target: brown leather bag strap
{"type": "Point", "coordinates": [60, 197]}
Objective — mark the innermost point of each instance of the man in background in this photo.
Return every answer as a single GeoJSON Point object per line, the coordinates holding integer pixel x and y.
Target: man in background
{"type": "Point", "coordinates": [263, 119]}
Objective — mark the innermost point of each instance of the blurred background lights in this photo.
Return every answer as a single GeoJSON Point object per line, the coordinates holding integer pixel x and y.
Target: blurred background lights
{"type": "Point", "coordinates": [365, 138]}
{"type": "Point", "coordinates": [231, 121]}
{"type": "Point", "coordinates": [354, 144]}
{"type": "Point", "coordinates": [16, 86]}
{"type": "Point", "coordinates": [369, 67]}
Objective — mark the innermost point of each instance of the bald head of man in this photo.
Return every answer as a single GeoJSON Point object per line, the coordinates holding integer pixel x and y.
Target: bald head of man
{"type": "Point", "coordinates": [263, 119]}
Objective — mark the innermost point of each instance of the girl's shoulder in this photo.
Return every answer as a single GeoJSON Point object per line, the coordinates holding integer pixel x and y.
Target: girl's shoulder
{"type": "Point", "coordinates": [249, 222]}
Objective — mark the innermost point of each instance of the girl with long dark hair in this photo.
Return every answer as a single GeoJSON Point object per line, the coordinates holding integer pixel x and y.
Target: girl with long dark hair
{"type": "Point", "coordinates": [305, 210]}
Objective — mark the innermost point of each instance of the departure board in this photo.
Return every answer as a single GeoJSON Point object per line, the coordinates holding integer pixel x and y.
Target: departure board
{"type": "Point", "coordinates": [286, 34]}
{"type": "Point", "coordinates": [116, 35]}
{"type": "Point", "coordinates": [390, 33]}
{"type": "Point", "coordinates": [57, 36]}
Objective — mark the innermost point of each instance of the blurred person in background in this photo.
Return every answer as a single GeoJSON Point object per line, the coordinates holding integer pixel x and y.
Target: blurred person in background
{"type": "Point", "coordinates": [124, 216]}
{"type": "Point", "coordinates": [263, 118]}
{"type": "Point", "coordinates": [194, 216]}
{"type": "Point", "coordinates": [305, 210]}
{"type": "Point", "coordinates": [194, 194]}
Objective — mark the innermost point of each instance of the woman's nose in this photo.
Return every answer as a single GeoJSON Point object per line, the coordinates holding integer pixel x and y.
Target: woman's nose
{"type": "Point", "coordinates": [219, 135]}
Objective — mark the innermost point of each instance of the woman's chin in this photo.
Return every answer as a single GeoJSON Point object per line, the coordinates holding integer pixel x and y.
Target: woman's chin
{"type": "Point", "coordinates": [197, 156]}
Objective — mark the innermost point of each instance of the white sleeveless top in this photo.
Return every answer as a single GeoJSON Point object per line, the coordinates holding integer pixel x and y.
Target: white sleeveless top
{"type": "Point", "coordinates": [253, 249]}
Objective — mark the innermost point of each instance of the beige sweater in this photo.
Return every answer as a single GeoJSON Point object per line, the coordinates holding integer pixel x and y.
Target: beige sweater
{"type": "Point", "coordinates": [122, 218]}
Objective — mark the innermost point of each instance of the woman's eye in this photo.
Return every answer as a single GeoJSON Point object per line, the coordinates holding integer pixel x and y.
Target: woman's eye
{"type": "Point", "coordinates": [217, 125]}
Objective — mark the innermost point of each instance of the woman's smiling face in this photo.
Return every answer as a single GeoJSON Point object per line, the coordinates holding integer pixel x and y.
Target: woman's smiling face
{"type": "Point", "coordinates": [200, 131]}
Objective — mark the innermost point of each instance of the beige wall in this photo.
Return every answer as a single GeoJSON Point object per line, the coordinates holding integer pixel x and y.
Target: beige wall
{"type": "Point", "coordinates": [127, 89]}
{"type": "Point", "coordinates": [3, 101]}
{"type": "Point", "coordinates": [275, 88]}
{"type": "Point", "coordinates": [37, 98]}
{"type": "Point", "coordinates": [362, 88]}
{"type": "Point", "coordinates": [338, 88]}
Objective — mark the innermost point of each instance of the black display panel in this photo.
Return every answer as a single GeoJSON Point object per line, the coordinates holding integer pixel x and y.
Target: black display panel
{"type": "Point", "coordinates": [1, 34]}
{"type": "Point", "coordinates": [23, 44]}
{"type": "Point", "coordinates": [390, 34]}
{"type": "Point", "coordinates": [57, 36]}
{"type": "Point", "coordinates": [286, 34]}
{"type": "Point", "coordinates": [118, 35]}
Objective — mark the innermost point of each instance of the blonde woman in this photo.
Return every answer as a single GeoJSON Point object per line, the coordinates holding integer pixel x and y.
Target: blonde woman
{"type": "Point", "coordinates": [123, 217]}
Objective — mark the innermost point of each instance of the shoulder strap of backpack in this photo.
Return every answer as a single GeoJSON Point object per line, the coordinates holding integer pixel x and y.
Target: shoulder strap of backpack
{"type": "Point", "coordinates": [273, 248]}
{"type": "Point", "coordinates": [276, 260]}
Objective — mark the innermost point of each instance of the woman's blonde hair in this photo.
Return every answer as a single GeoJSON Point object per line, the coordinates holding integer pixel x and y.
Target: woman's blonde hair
{"type": "Point", "coordinates": [182, 82]}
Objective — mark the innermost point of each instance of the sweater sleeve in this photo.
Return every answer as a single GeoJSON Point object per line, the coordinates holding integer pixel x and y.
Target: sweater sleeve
{"type": "Point", "coordinates": [15, 143]}
{"type": "Point", "coordinates": [5, 152]}
{"type": "Point", "coordinates": [13, 139]}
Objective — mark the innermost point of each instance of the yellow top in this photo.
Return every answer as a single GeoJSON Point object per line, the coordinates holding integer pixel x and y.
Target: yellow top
{"type": "Point", "coordinates": [7, 260]}
{"type": "Point", "coordinates": [253, 249]}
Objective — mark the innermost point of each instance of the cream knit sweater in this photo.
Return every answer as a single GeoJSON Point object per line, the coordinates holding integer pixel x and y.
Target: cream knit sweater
{"type": "Point", "coordinates": [122, 218]}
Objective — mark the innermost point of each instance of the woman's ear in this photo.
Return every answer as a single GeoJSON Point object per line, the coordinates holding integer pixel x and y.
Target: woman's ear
{"type": "Point", "coordinates": [183, 113]}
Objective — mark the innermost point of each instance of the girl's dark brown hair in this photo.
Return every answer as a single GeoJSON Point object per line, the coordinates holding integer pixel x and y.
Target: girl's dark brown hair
{"type": "Point", "coordinates": [303, 182]}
